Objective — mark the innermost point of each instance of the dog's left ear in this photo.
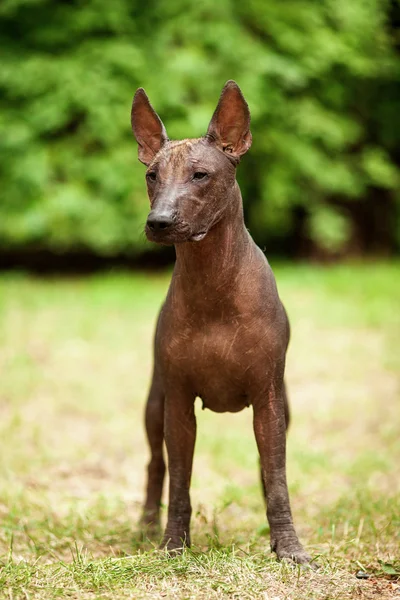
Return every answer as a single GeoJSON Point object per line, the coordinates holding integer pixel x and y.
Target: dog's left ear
{"type": "Point", "coordinates": [147, 127]}
{"type": "Point", "coordinates": [229, 127]}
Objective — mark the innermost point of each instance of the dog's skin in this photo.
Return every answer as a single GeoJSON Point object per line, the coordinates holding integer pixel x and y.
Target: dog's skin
{"type": "Point", "coordinates": [222, 333]}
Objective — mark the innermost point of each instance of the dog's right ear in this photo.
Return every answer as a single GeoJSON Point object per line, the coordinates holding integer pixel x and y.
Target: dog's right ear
{"type": "Point", "coordinates": [147, 127]}
{"type": "Point", "coordinates": [229, 127]}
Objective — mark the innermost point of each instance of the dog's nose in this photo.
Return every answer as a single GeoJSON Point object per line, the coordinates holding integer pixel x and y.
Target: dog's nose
{"type": "Point", "coordinates": [159, 222]}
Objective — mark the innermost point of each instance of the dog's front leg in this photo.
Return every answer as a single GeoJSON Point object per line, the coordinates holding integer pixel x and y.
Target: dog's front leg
{"type": "Point", "coordinates": [180, 437]}
{"type": "Point", "coordinates": [270, 432]}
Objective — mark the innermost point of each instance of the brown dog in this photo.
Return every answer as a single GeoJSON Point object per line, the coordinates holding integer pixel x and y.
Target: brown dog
{"type": "Point", "coordinates": [222, 333]}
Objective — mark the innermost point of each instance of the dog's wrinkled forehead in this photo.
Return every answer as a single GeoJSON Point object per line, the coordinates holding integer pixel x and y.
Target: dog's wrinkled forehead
{"type": "Point", "coordinates": [175, 154]}
{"type": "Point", "coordinates": [177, 157]}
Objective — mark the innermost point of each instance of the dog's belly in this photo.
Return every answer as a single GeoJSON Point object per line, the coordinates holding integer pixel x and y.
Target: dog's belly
{"type": "Point", "coordinates": [221, 385]}
{"type": "Point", "coordinates": [225, 401]}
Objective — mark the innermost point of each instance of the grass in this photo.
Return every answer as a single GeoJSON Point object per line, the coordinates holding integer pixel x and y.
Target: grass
{"type": "Point", "coordinates": [75, 360]}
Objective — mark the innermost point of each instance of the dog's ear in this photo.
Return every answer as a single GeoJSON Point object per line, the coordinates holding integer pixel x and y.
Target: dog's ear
{"type": "Point", "coordinates": [229, 127]}
{"type": "Point", "coordinates": [147, 127]}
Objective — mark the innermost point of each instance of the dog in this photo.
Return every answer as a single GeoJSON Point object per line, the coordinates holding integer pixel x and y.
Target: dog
{"type": "Point", "coordinates": [222, 333]}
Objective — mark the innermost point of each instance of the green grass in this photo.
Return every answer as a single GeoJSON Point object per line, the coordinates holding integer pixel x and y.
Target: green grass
{"type": "Point", "coordinates": [75, 361]}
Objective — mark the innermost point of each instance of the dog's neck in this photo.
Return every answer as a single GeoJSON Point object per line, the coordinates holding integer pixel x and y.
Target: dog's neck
{"type": "Point", "coordinates": [215, 261]}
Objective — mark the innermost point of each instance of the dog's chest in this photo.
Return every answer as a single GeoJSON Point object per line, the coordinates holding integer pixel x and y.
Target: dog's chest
{"type": "Point", "coordinates": [220, 361]}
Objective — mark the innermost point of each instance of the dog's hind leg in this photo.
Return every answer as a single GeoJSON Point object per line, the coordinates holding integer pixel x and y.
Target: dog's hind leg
{"type": "Point", "coordinates": [154, 421]}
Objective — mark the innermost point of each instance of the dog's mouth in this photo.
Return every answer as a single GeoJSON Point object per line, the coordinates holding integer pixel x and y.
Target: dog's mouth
{"type": "Point", "coordinates": [175, 235]}
{"type": "Point", "coordinates": [197, 237]}
{"type": "Point", "coordinates": [178, 234]}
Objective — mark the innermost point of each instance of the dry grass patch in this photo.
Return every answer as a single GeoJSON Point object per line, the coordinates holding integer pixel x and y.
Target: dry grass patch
{"type": "Point", "coordinates": [75, 360]}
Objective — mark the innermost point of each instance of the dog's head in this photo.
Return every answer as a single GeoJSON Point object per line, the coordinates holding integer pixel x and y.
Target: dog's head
{"type": "Point", "coordinates": [189, 181]}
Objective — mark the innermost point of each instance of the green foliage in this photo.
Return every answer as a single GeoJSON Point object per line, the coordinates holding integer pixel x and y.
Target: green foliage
{"type": "Point", "coordinates": [320, 77]}
{"type": "Point", "coordinates": [329, 228]}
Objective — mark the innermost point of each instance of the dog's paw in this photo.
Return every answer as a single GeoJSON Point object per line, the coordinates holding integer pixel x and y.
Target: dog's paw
{"type": "Point", "coordinates": [174, 545]}
{"type": "Point", "coordinates": [292, 551]}
{"type": "Point", "coordinates": [149, 524]}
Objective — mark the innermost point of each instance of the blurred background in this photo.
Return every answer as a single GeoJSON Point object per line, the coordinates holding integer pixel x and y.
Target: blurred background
{"type": "Point", "coordinates": [322, 79]}
{"type": "Point", "coordinates": [322, 199]}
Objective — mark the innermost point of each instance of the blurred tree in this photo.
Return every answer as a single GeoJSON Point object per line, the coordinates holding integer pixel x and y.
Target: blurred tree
{"type": "Point", "coordinates": [321, 77]}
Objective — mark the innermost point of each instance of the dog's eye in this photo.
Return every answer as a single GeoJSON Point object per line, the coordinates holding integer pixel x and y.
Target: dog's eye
{"type": "Point", "coordinates": [151, 175]}
{"type": "Point", "coordinates": [199, 175]}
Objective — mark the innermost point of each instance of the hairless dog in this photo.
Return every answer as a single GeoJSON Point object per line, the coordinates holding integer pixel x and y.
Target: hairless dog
{"type": "Point", "coordinates": [222, 333]}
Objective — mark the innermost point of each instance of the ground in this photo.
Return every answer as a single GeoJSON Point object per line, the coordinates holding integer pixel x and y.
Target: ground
{"type": "Point", "coordinates": [75, 361]}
